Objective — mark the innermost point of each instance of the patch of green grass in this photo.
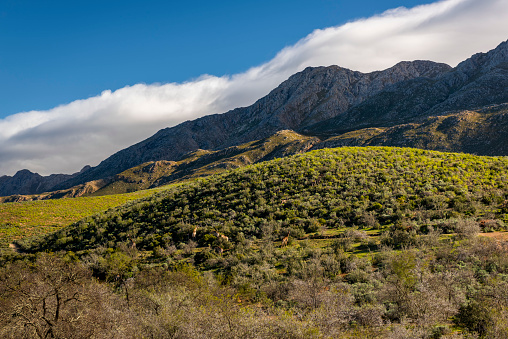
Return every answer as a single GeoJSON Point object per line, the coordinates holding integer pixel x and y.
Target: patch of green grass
{"type": "Point", "coordinates": [22, 219]}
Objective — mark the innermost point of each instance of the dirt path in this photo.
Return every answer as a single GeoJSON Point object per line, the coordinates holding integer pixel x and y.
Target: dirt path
{"type": "Point", "coordinates": [496, 235]}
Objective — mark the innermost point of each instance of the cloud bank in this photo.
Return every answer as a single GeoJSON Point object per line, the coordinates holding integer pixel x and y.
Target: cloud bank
{"type": "Point", "coordinates": [67, 137]}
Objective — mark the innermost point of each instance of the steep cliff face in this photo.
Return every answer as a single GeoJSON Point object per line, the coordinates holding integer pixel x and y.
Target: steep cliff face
{"type": "Point", "coordinates": [479, 81]}
{"type": "Point", "coordinates": [310, 96]}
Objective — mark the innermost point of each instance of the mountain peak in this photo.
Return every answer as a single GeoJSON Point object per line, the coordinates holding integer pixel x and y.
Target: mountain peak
{"type": "Point", "coordinates": [478, 81]}
{"type": "Point", "coordinates": [25, 173]}
{"type": "Point", "coordinates": [485, 61]}
{"type": "Point", "coordinates": [85, 168]}
{"type": "Point", "coordinates": [420, 68]}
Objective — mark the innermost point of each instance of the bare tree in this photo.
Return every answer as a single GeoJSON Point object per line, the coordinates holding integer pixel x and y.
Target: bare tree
{"type": "Point", "coordinates": [57, 299]}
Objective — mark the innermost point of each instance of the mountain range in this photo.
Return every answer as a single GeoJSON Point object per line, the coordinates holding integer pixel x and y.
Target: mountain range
{"type": "Point", "coordinates": [419, 104]}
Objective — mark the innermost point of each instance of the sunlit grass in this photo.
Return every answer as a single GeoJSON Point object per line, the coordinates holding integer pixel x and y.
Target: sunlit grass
{"type": "Point", "coordinates": [22, 219]}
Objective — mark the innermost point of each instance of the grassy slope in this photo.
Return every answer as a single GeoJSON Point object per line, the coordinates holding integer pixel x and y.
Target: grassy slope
{"type": "Point", "coordinates": [21, 219]}
{"type": "Point", "coordinates": [479, 132]}
{"type": "Point", "coordinates": [389, 188]}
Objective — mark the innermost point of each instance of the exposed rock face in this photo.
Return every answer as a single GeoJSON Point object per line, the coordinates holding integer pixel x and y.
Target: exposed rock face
{"type": "Point", "coordinates": [310, 96]}
{"type": "Point", "coordinates": [482, 132]}
{"type": "Point", "coordinates": [479, 81]}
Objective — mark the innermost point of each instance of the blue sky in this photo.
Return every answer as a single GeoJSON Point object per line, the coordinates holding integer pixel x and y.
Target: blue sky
{"type": "Point", "coordinates": [54, 52]}
{"type": "Point", "coordinates": [81, 80]}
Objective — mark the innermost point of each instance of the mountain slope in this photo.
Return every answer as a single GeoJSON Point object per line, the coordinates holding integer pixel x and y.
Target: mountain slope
{"type": "Point", "coordinates": [483, 132]}
{"type": "Point", "coordinates": [305, 98]}
{"type": "Point", "coordinates": [479, 81]}
{"type": "Point", "coordinates": [203, 163]}
{"type": "Point", "coordinates": [198, 163]}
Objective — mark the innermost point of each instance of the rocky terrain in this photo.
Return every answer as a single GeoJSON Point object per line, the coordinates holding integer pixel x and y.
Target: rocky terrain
{"type": "Point", "coordinates": [483, 131]}
{"type": "Point", "coordinates": [26, 182]}
{"type": "Point", "coordinates": [310, 96]}
{"type": "Point", "coordinates": [418, 104]}
{"type": "Point", "coordinates": [479, 81]}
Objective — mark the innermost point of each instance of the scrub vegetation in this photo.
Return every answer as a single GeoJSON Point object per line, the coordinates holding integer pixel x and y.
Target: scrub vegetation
{"type": "Point", "coordinates": [338, 243]}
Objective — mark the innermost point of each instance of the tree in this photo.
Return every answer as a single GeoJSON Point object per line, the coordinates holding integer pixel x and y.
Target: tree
{"type": "Point", "coordinates": [54, 298]}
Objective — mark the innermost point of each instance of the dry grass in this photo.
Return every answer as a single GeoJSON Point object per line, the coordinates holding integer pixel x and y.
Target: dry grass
{"type": "Point", "coordinates": [502, 236]}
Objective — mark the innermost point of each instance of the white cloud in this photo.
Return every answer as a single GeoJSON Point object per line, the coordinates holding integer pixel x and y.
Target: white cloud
{"type": "Point", "coordinates": [67, 137]}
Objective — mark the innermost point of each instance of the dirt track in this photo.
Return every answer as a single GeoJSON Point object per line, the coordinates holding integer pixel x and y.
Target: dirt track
{"type": "Point", "coordinates": [496, 235]}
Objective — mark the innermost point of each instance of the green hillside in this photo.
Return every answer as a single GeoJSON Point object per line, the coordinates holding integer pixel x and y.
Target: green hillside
{"type": "Point", "coordinates": [384, 188]}
{"type": "Point", "coordinates": [22, 219]}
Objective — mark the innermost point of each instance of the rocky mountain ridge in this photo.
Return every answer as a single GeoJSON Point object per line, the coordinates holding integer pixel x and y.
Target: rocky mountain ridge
{"type": "Point", "coordinates": [329, 102]}
{"type": "Point", "coordinates": [476, 82]}
{"type": "Point", "coordinates": [27, 182]}
{"type": "Point", "coordinates": [307, 97]}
